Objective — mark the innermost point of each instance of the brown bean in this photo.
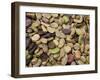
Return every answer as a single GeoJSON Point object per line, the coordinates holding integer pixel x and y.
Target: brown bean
{"type": "Point", "coordinates": [70, 58]}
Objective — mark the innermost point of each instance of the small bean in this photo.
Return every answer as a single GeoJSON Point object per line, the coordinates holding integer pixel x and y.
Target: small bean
{"type": "Point", "coordinates": [35, 37]}
{"type": "Point", "coordinates": [67, 49]}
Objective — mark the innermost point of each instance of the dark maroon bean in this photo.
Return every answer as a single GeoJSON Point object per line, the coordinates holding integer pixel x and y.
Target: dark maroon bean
{"type": "Point", "coordinates": [66, 31]}
{"type": "Point", "coordinates": [28, 22]}
{"type": "Point", "coordinates": [70, 58]}
{"type": "Point", "coordinates": [44, 56]}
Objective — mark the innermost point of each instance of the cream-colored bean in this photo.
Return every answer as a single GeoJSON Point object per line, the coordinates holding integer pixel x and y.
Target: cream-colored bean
{"type": "Point", "coordinates": [56, 42]}
{"type": "Point", "coordinates": [38, 15]}
{"type": "Point", "coordinates": [39, 53]}
{"type": "Point", "coordinates": [54, 25]}
{"type": "Point", "coordinates": [35, 37]}
{"type": "Point", "coordinates": [56, 56]}
{"type": "Point", "coordinates": [51, 30]}
{"type": "Point", "coordinates": [67, 49]}
{"type": "Point", "coordinates": [60, 34]}
{"type": "Point", "coordinates": [35, 24]}
{"type": "Point", "coordinates": [44, 40]}
{"type": "Point", "coordinates": [45, 24]}
{"type": "Point", "coordinates": [64, 60]}
{"type": "Point", "coordinates": [62, 53]}
{"type": "Point", "coordinates": [61, 43]}
{"type": "Point", "coordinates": [83, 59]}
{"type": "Point", "coordinates": [70, 44]}
{"type": "Point", "coordinates": [79, 20]}
{"type": "Point", "coordinates": [38, 63]}
{"type": "Point", "coordinates": [77, 46]}
{"type": "Point", "coordinates": [47, 15]}
{"type": "Point", "coordinates": [54, 15]}
{"type": "Point", "coordinates": [44, 28]}
{"type": "Point", "coordinates": [34, 61]}
{"type": "Point", "coordinates": [79, 62]}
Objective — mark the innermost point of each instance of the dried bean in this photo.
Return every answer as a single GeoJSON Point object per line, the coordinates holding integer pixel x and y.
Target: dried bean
{"type": "Point", "coordinates": [44, 56]}
{"type": "Point", "coordinates": [77, 54]}
{"type": "Point", "coordinates": [28, 22]}
{"type": "Point", "coordinates": [61, 43]}
{"type": "Point", "coordinates": [51, 44]}
{"type": "Point", "coordinates": [54, 51]}
{"type": "Point", "coordinates": [66, 31]}
{"type": "Point", "coordinates": [54, 25]}
{"type": "Point", "coordinates": [70, 58]}
{"type": "Point", "coordinates": [28, 42]}
{"type": "Point", "coordinates": [64, 60]}
{"type": "Point", "coordinates": [43, 40]}
{"type": "Point", "coordinates": [67, 49]}
{"type": "Point", "coordinates": [35, 37]}
{"type": "Point", "coordinates": [32, 48]}
{"type": "Point", "coordinates": [57, 39]}
{"type": "Point", "coordinates": [56, 42]}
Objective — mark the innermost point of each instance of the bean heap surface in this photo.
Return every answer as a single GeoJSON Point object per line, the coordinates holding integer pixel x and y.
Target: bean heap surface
{"type": "Point", "coordinates": [57, 39]}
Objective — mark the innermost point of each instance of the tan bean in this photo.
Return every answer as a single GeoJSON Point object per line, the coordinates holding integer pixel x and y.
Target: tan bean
{"type": "Point", "coordinates": [43, 40]}
{"type": "Point", "coordinates": [47, 15]}
{"type": "Point", "coordinates": [51, 30]}
{"type": "Point", "coordinates": [77, 54]}
{"type": "Point", "coordinates": [67, 49]}
{"type": "Point", "coordinates": [54, 25]}
{"type": "Point", "coordinates": [56, 42]}
{"type": "Point", "coordinates": [38, 15]}
{"type": "Point", "coordinates": [44, 28]}
{"type": "Point", "coordinates": [38, 63]}
{"type": "Point", "coordinates": [61, 43]}
{"type": "Point", "coordinates": [79, 20]}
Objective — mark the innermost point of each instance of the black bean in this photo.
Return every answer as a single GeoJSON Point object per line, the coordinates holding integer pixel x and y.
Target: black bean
{"type": "Point", "coordinates": [44, 56]}
{"type": "Point", "coordinates": [48, 35]}
{"type": "Point", "coordinates": [28, 60]}
{"type": "Point", "coordinates": [45, 34]}
{"type": "Point", "coordinates": [28, 41]}
{"type": "Point", "coordinates": [32, 48]}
